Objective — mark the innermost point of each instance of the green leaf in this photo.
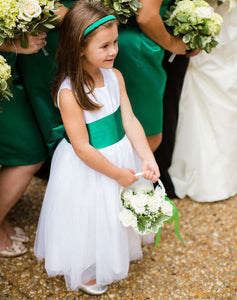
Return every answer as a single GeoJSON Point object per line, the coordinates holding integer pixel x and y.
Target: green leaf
{"type": "Point", "coordinates": [3, 84]}
{"type": "Point", "coordinates": [23, 41]}
{"type": "Point", "coordinates": [1, 40]}
{"type": "Point", "coordinates": [48, 26]}
{"type": "Point", "coordinates": [200, 42]}
{"type": "Point", "coordinates": [117, 6]}
{"type": "Point", "coordinates": [187, 38]}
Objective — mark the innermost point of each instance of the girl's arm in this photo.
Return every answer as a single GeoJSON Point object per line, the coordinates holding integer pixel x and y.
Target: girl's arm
{"type": "Point", "coordinates": [136, 134]}
{"type": "Point", "coordinates": [151, 23]}
{"type": "Point", "coordinates": [72, 116]}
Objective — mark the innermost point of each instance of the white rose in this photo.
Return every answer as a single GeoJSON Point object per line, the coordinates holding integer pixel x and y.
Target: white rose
{"type": "Point", "coordinates": [154, 204]}
{"type": "Point", "coordinates": [167, 208]}
{"type": "Point", "coordinates": [204, 12]}
{"type": "Point", "coordinates": [159, 193]}
{"type": "Point", "coordinates": [127, 195]}
{"type": "Point", "coordinates": [127, 218]}
{"type": "Point", "coordinates": [138, 203]}
{"type": "Point", "coordinates": [143, 189]}
{"type": "Point", "coordinates": [29, 9]}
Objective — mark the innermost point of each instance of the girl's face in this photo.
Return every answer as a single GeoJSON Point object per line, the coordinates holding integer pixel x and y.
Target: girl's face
{"type": "Point", "coordinates": [102, 49]}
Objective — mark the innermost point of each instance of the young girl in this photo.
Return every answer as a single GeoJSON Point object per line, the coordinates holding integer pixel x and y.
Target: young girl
{"type": "Point", "coordinates": [79, 232]}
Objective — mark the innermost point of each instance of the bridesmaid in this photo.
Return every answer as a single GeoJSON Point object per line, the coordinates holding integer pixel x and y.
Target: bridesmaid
{"type": "Point", "coordinates": [142, 42]}
{"type": "Point", "coordinates": [37, 82]}
{"type": "Point", "coordinates": [22, 149]}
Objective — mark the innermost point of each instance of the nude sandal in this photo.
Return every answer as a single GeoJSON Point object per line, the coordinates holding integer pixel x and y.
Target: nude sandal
{"type": "Point", "coordinates": [19, 236]}
{"type": "Point", "coordinates": [16, 249]}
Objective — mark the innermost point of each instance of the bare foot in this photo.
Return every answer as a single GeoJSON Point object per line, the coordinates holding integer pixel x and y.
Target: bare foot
{"type": "Point", "coordinates": [4, 239]}
{"type": "Point", "coordinates": [91, 282]}
{"type": "Point", "coordinates": [7, 227]}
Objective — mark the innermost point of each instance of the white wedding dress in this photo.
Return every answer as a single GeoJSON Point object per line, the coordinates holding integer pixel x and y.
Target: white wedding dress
{"type": "Point", "coordinates": [204, 163]}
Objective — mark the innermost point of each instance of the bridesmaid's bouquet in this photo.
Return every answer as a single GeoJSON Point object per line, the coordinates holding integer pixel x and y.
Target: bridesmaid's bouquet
{"type": "Point", "coordinates": [5, 79]}
{"type": "Point", "coordinates": [21, 17]}
{"type": "Point", "coordinates": [196, 22]}
{"type": "Point", "coordinates": [146, 209]}
{"type": "Point", "coordinates": [122, 9]}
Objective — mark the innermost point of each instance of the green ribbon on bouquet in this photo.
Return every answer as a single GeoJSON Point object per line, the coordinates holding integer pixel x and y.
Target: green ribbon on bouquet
{"type": "Point", "coordinates": [174, 218]}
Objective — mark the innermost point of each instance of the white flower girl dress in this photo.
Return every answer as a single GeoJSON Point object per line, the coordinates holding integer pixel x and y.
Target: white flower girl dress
{"type": "Point", "coordinates": [79, 233]}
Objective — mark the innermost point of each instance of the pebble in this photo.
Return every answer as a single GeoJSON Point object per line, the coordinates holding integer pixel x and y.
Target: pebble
{"type": "Point", "coordinates": [203, 267]}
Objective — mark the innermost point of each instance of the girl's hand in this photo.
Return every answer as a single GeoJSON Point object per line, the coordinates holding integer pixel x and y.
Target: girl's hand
{"type": "Point", "coordinates": [126, 177]}
{"type": "Point", "coordinates": [35, 43]}
{"type": "Point", "coordinates": [150, 170]}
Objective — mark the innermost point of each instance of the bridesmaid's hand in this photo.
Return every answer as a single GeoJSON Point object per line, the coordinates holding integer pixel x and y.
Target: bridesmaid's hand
{"type": "Point", "coordinates": [193, 53]}
{"type": "Point", "coordinates": [35, 43]}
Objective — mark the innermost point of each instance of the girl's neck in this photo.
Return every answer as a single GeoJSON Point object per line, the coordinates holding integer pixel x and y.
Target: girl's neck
{"type": "Point", "coordinates": [97, 76]}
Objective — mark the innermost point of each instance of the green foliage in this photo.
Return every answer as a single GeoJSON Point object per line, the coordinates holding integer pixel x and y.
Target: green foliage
{"type": "Point", "coordinates": [194, 21]}
{"type": "Point", "coordinates": [122, 9]}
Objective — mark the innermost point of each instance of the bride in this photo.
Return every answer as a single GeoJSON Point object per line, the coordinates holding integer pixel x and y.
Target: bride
{"type": "Point", "coordinates": [204, 163]}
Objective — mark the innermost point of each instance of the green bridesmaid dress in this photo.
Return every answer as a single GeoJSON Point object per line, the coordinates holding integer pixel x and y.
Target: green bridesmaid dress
{"type": "Point", "coordinates": [21, 142]}
{"type": "Point", "coordinates": [37, 72]}
{"type": "Point", "coordinates": [140, 61]}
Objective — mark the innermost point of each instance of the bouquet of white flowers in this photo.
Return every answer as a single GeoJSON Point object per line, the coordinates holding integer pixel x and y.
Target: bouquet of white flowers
{"type": "Point", "coordinates": [196, 22]}
{"type": "Point", "coordinates": [5, 79]}
{"type": "Point", "coordinates": [21, 17]}
{"type": "Point", "coordinates": [122, 9]}
{"type": "Point", "coordinates": [146, 209]}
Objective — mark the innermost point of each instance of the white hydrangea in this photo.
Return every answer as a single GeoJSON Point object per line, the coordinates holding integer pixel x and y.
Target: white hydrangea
{"type": "Point", "coordinates": [5, 69]}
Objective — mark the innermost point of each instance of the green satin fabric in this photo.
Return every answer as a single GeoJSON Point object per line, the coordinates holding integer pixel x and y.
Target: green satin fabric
{"type": "Point", "coordinates": [103, 132]}
{"type": "Point", "coordinates": [140, 61]}
{"type": "Point", "coordinates": [37, 72]}
{"type": "Point", "coordinates": [106, 131]}
{"type": "Point", "coordinates": [21, 142]}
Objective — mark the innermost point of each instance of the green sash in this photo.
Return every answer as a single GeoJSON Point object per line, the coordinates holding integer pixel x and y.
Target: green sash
{"type": "Point", "coordinates": [102, 133]}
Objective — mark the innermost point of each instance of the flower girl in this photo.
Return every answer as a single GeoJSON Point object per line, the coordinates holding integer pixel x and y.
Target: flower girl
{"type": "Point", "coordinates": [79, 233]}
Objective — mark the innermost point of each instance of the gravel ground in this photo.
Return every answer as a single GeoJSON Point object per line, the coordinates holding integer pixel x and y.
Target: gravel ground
{"type": "Point", "coordinates": [203, 267]}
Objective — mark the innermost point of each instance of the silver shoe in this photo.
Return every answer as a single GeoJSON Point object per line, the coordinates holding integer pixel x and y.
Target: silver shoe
{"type": "Point", "coordinates": [95, 289]}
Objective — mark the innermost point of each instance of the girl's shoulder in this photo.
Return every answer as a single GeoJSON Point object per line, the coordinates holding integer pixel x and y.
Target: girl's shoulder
{"type": "Point", "coordinates": [112, 74]}
{"type": "Point", "coordinates": [66, 84]}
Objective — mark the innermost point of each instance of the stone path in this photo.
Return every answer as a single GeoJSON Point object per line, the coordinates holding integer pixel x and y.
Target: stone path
{"type": "Point", "coordinates": [203, 267]}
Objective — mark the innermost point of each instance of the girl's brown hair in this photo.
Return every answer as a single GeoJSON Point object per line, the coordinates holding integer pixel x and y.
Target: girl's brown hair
{"type": "Point", "coordinates": [71, 43]}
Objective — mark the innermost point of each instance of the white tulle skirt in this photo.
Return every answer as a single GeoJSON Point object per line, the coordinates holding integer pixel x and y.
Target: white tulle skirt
{"type": "Point", "coordinates": [79, 233]}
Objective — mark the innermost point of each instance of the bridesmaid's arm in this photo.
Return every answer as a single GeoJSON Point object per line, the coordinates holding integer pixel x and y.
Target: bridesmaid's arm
{"type": "Point", "coordinates": [62, 10]}
{"type": "Point", "coordinates": [151, 23]}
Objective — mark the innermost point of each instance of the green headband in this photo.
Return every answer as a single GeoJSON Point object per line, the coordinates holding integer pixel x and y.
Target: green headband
{"type": "Point", "coordinates": [98, 23]}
